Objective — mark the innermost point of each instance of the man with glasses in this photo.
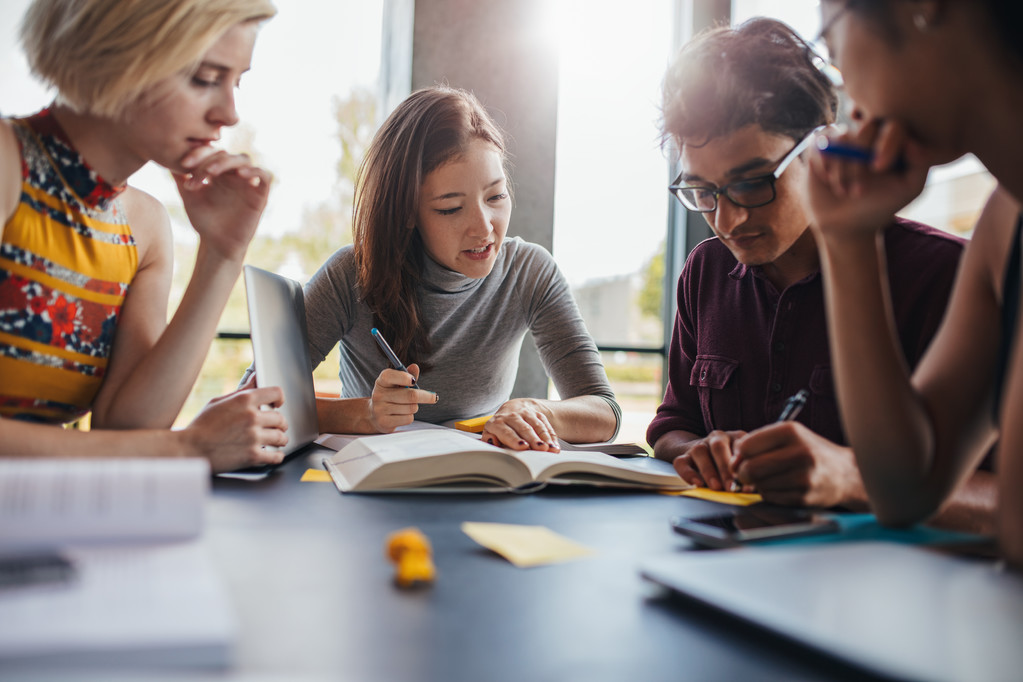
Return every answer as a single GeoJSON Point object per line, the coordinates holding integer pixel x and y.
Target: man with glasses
{"type": "Point", "coordinates": [741, 105]}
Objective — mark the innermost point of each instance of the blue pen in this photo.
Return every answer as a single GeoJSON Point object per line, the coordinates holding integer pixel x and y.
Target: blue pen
{"type": "Point", "coordinates": [386, 348]}
{"type": "Point", "coordinates": [829, 146]}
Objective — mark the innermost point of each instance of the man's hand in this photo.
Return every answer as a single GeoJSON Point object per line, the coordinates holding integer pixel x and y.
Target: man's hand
{"type": "Point", "coordinates": [707, 462]}
{"type": "Point", "coordinates": [789, 464]}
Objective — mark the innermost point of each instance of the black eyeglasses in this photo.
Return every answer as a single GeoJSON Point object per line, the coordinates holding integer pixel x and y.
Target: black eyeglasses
{"type": "Point", "coordinates": [748, 193]}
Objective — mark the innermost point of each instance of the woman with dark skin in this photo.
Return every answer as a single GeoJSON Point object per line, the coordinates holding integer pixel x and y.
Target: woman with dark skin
{"type": "Point", "coordinates": [933, 80]}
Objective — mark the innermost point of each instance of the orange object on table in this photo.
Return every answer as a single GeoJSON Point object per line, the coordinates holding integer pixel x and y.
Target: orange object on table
{"type": "Point", "coordinates": [410, 551]}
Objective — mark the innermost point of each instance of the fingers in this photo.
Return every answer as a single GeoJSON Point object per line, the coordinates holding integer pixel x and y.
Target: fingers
{"type": "Point", "coordinates": [888, 146]}
{"type": "Point", "coordinates": [521, 430]}
{"type": "Point", "coordinates": [414, 371]}
{"type": "Point", "coordinates": [708, 461]}
{"type": "Point", "coordinates": [236, 430]}
{"type": "Point", "coordinates": [205, 164]}
{"type": "Point", "coordinates": [688, 472]}
{"type": "Point", "coordinates": [778, 461]}
{"type": "Point", "coordinates": [249, 383]}
{"type": "Point", "coordinates": [394, 402]}
{"type": "Point", "coordinates": [766, 440]}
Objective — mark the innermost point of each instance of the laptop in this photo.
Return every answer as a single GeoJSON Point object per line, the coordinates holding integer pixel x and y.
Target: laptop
{"type": "Point", "coordinates": [896, 610]}
{"type": "Point", "coordinates": [280, 349]}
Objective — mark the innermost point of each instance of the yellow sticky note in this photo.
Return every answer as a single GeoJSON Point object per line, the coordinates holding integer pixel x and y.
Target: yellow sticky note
{"type": "Point", "coordinates": [473, 425]}
{"type": "Point", "coordinates": [316, 476]}
{"type": "Point", "coordinates": [525, 546]}
{"type": "Point", "coordinates": [734, 499]}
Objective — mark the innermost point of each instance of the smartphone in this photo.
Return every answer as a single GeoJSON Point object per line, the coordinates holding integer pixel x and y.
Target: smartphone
{"type": "Point", "coordinates": [751, 524]}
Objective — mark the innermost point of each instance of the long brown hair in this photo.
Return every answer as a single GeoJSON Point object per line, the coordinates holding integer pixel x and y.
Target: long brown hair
{"type": "Point", "coordinates": [431, 127]}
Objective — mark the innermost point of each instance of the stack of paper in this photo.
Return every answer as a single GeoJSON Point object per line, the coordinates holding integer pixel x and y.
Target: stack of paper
{"type": "Point", "coordinates": [140, 590]}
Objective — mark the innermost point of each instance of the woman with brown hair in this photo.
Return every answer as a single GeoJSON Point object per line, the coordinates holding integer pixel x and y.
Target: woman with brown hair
{"type": "Point", "coordinates": [433, 270]}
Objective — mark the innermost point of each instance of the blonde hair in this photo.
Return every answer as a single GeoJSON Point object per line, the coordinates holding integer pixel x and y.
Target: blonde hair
{"type": "Point", "coordinates": [101, 55]}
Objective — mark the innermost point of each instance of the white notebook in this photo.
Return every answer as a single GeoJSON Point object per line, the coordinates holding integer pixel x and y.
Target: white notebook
{"type": "Point", "coordinates": [140, 590]}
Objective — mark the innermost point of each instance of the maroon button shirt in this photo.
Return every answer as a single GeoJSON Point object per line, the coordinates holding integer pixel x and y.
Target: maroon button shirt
{"type": "Point", "coordinates": [740, 347]}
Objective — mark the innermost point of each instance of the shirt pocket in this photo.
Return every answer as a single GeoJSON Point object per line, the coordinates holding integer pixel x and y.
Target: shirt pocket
{"type": "Point", "coordinates": [714, 378]}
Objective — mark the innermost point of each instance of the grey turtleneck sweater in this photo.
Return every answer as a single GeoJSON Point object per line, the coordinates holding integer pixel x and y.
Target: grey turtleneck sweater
{"type": "Point", "coordinates": [475, 327]}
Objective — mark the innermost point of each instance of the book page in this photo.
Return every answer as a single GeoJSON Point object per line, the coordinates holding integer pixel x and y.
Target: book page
{"type": "Point", "coordinates": [336, 441]}
{"type": "Point", "coordinates": [591, 467]}
{"type": "Point", "coordinates": [613, 449]}
{"type": "Point", "coordinates": [54, 502]}
{"type": "Point", "coordinates": [420, 458]}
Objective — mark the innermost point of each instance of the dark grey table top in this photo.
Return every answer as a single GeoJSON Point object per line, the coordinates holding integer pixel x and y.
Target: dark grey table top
{"type": "Point", "coordinates": [314, 593]}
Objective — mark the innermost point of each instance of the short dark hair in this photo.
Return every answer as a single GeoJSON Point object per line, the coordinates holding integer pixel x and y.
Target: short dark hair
{"type": "Point", "coordinates": [760, 72]}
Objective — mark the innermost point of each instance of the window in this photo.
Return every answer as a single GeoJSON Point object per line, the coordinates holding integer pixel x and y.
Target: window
{"type": "Point", "coordinates": [610, 200]}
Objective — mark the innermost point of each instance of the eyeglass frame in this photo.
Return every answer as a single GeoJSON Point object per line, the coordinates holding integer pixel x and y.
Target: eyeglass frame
{"type": "Point", "coordinates": [676, 188]}
{"type": "Point", "coordinates": [825, 65]}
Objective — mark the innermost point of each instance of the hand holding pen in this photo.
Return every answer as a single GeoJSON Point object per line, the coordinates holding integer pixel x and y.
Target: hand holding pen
{"type": "Point", "coordinates": [395, 400]}
{"type": "Point", "coordinates": [395, 362]}
{"type": "Point", "coordinates": [793, 406]}
{"type": "Point", "coordinates": [860, 178]}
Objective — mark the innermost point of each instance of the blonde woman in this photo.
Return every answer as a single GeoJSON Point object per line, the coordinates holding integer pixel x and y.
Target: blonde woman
{"type": "Point", "coordinates": [85, 259]}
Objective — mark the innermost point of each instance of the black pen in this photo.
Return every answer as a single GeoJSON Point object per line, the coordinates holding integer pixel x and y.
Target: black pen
{"type": "Point", "coordinates": [793, 406]}
{"type": "Point", "coordinates": [395, 362]}
{"type": "Point", "coordinates": [32, 569]}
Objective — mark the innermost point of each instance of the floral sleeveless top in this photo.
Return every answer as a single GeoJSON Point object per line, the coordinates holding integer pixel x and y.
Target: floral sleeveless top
{"type": "Point", "coordinates": [67, 258]}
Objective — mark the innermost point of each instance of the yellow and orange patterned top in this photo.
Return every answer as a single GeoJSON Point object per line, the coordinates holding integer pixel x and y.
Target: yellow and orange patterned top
{"type": "Point", "coordinates": [67, 258]}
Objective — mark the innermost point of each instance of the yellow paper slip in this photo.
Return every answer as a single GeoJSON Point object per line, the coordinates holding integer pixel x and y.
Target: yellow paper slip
{"type": "Point", "coordinates": [734, 499]}
{"type": "Point", "coordinates": [316, 476]}
{"type": "Point", "coordinates": [473, 425]}
{"type": "Point", "coordinates": [525, 546]}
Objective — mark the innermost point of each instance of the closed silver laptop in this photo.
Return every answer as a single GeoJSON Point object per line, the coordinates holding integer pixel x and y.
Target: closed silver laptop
{"type": "Point", "coordinates": [280, 350]}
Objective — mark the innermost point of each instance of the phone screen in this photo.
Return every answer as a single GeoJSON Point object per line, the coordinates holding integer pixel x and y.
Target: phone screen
{"type": "Point", "coordinates": [751, 524]}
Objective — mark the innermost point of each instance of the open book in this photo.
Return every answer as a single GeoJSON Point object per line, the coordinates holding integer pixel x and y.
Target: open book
{"type": "Point", "coordinates": [445, 460]}
{"type": "Point", "coordinates": [135, 587]}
